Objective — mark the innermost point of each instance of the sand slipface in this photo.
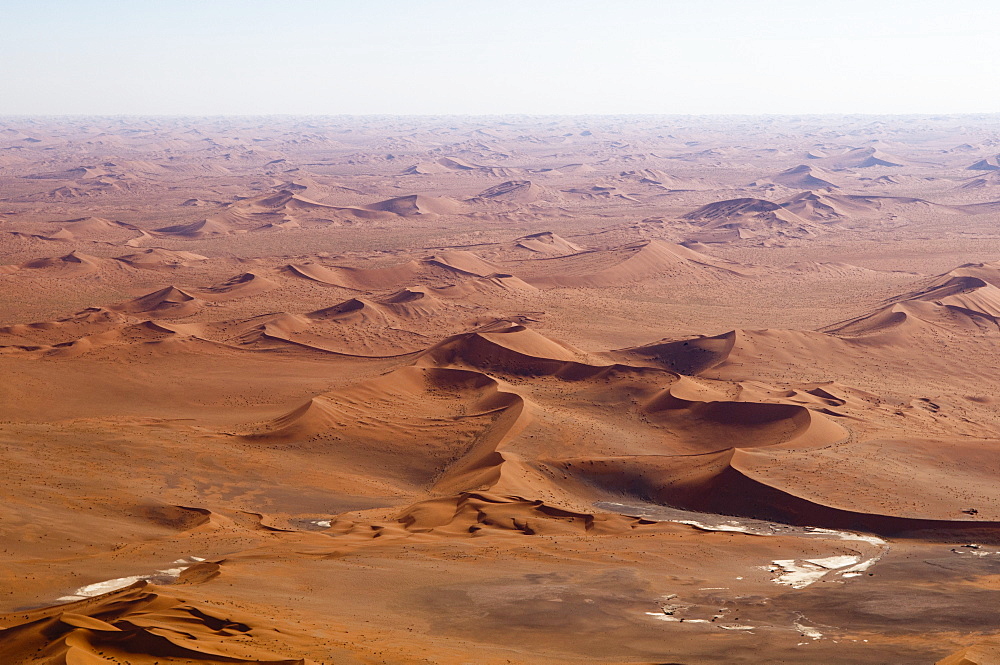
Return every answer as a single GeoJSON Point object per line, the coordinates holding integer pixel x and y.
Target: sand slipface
{"type": "Point", "coordinates": [545, 390]}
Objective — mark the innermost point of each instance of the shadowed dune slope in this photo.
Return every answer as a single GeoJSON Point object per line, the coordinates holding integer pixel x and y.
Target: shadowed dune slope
{"type": "Point", "coordinates": [417, 204]}
{"type": "Point", "coordinates": [142, 625]}
{"type": "Point", "coordinates": [748, 218]}
{"type": "Point", "coordinates": [806, 176]}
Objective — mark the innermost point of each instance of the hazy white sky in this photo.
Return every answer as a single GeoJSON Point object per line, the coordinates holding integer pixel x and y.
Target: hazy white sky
{"type": "Point", "coordinates": [482, 57]}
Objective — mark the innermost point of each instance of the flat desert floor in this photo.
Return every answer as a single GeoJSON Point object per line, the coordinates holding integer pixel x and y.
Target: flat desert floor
{"type": "Point", "coordinates": [500, 390]}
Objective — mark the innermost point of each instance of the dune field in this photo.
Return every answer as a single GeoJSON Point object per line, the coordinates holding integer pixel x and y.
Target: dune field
{"type": "Point", "coordinates": [417, 390]}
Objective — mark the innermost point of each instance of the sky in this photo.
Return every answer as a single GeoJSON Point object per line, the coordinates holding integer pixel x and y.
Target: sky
{"type": "Point", "coordinates": [316, 57]}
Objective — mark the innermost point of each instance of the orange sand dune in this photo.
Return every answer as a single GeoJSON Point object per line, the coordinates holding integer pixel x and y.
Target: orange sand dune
{"type": "Point", "coordinates": [282, 209]}
{"type": "Point", "coordinates": [360, 278]}
{"type": "Point", "coordinates": [212, 226]}
{"type": "Point", "coordinates": [169, 302]}
{"type": "Point", "coordinates": [665, 180]}
{"type": "Point", "coordinates": [513, 347]}
{"type": "Point", "coordinates": [865, 158]}
{"type": "Point", "coordinates": [141, 624]}
{"type": "Point", "coordinates": [712, 453]}
{"type": "Point", "coordinates": [750, 217]}
{"type": "Point", "coordinates": [440, 269]}
{"type": "Point", "coordinates": [493, 283]}
{"type": "Point", "coordinates": [549, 243]}
{"type": "Point", "coordinates": [401, 323]}
{"type": "Point", "coordinates": [631, 263]}
{"type": "Point", "coordinates": [951, 301]}
{"type": "Point", "coordinates": [400, 399]}
{"type": "Point", "coordinates": [518, 191]}
{"type": "Point", "coordinates": [241, 286]}
{"type": "Point", "coordinates": [455, 165]}
{"type": "Point", "coordinates": [310, 188]}
{"type": "Point", "coordinates": [739, 348]}
{"type": "Point", "coordinates": [986, 653]}
{"type": "Point", "coordinates": [443, 165]}
{"type": "Point", "coordinates": [158, 259]}
{"type": "Point", "coordinates": [74, 264]}
{"type": "Point", "coordinates": [75, 337]}
{"type": "Point", "coordinates": [90, 228]}
{"type": "Point", "coordinates": [418, 204]}
{"type": "Point", "coordinates": [31, 336]}
{"type": "Point", "coordinates": [446, 410]}
{"type": "Point", "coordinates": [409, 303]}
{"type": "Point", "coordinates": [827, 207]}
{"type": "Point", "coordinates": [480, 512]}
{"type": "Point", "coordinates": [988, 272]}
{"type": "Point", "coordinates": [806, 176]}
{"type": "Point", "coordinates": [808, 213]}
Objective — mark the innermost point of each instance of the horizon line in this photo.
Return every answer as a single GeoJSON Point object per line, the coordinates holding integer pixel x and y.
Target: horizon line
{"type": "Point", "coordinates": [783, 114]}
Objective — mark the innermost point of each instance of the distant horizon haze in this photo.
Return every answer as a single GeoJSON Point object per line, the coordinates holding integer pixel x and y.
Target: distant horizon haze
{"type": "Point", "coordinates": [443, 57]}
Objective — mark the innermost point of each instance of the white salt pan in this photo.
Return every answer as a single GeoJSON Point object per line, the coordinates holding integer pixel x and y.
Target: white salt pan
{"type": "Point", "coordinates": [166, 575]}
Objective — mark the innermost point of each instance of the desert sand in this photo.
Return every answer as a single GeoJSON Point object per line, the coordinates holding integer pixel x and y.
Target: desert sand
{"type": "Point", "coordinates": [358, 390]}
